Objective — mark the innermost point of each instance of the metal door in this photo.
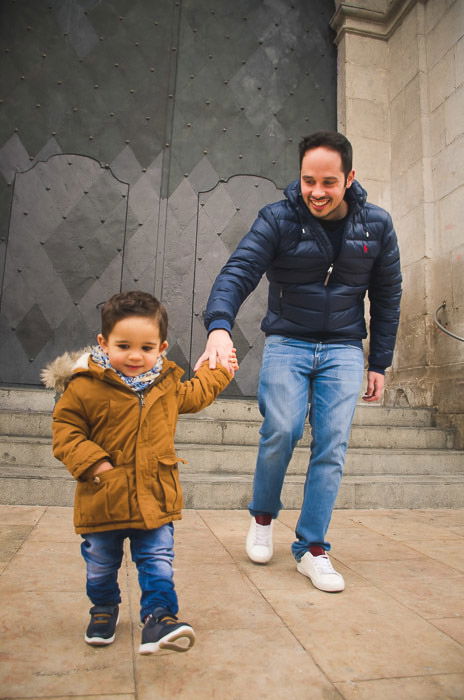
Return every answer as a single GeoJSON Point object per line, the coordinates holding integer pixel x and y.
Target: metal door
{"type": "Point", "coordinates": [253, 77]}
{"type": "Point", "coordinates": [180, 119]}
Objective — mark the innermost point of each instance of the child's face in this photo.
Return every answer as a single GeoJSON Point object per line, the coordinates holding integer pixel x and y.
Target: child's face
{"type": "Point", "coordinates": [133, 346]}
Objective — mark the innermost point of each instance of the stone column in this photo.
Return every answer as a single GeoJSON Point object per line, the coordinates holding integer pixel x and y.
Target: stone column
{"type": "Point", "coordinates": [401, 101]}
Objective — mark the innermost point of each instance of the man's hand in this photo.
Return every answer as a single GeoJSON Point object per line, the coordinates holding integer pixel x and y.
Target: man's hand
{"type": "Point", "coordinates": [375, 382]}
{"type": "Point", "coordinates": [218, 347]}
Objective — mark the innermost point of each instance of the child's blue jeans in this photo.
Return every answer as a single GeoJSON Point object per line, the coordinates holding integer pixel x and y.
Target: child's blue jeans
{"type": "Point", "coordinates": [153, 553]}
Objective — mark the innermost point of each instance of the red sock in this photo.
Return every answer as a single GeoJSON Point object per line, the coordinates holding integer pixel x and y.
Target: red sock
{"type": "Point", "coordinates": [316, 550]}
{"type": "Point", "coordinates": [263, 519]}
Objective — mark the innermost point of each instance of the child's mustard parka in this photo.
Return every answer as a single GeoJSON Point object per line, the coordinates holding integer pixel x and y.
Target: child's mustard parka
{"type": "Point", "coordinates": [98, 417]}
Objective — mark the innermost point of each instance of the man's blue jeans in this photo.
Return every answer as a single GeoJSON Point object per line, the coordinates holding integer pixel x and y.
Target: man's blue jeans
{"type": "Point", "coordinates": [153, 553]}
{"type": "Point", "coordinates": [295, 373]}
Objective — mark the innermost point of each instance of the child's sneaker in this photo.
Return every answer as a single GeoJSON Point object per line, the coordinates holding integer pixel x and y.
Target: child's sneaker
{"type": "Point", "coordinates": [165, 632]}
{"type": "Point", "coordinates": [102, 626]}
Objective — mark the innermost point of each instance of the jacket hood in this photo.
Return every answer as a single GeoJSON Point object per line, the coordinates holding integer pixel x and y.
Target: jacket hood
{"type": "Point", "coordinates": [57, 374]}
{"type": "Point", "coordinates": [356, 195]}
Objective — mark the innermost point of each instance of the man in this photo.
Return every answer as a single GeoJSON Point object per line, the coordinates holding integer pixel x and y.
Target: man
{"type": "Point", "coordinates": [322, 249]}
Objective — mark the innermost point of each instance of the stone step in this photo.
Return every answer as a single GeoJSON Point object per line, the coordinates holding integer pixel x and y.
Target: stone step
{"type": "Point", "coordinates": [225, 432]}
{"type": "Point", "coordinates": [42, 400]}
{"type": "Point", "coordinates": [365, 414]}
{"type": "Point", "coordinates": [386, 491]}
{"type": "Point", "coordinates": [50, 486]}
{"type": "Point", "coordinates": [240, 459]}
{"type": "Point", "coordinates": [26, 399]}
{"type": "Point", "coordinates": [191, 429]}
{"type": "Point", "coordinates": [397, 459]}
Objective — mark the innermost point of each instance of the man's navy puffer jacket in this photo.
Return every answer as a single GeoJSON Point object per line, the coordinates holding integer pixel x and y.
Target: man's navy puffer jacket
{"type": "Point", "coordinates": [308, 299]}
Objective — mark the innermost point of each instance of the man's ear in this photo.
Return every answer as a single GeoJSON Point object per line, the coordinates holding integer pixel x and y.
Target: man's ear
{"type": "Point", "coordinates": [350, 178]}
{"type": "Point", "coordinates": [102, 342]}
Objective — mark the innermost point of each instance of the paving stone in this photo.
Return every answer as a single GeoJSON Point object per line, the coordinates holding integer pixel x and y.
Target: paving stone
{"type": "Point", "coordinates": [430, 688]}
{"type": "Point", "coordinates": [396, 631]}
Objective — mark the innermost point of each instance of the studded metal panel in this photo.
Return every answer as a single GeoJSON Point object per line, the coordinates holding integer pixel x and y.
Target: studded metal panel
{"type": "Point", "coordinates": [224, 213]}
{"type": "Point", "coordinates": [253, 77]}
{"type": "Point", "coordinates": [88, 77]}
{"type": "Point", "coordinates": [178, 98]}
{"type": "Point", "coordinates": [64, 254]}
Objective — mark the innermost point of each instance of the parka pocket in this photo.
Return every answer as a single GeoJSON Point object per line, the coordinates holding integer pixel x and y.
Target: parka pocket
{"type": "Point", "coordinates": [103, 499]}
{"type": "Point", "coordinates": [167, 485]}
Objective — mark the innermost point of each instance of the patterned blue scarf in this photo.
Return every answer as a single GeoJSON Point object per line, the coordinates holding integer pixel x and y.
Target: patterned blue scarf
{"type": "Point", "coordinates": [138, 383]}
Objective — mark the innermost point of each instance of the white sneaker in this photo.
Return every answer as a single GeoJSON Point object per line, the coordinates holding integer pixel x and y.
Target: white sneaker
{"type": "Point", "coordinates": [259, 545]}
{"type": "Point", "coordinates": [321, 572]}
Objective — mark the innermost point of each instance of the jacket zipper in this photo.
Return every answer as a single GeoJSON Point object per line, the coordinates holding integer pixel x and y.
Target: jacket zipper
{"type": "Point", "coordinates": [329, 272]}
{"type": "Point", "coordinates": [141, 399]}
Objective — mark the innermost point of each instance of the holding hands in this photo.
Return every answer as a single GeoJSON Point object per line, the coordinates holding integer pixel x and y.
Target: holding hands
{"type": "Point", "coordinates": [219, 348]}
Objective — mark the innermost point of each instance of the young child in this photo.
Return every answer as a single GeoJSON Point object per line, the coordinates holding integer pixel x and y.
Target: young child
{"type": "Point", "coordinates": [113, 428]}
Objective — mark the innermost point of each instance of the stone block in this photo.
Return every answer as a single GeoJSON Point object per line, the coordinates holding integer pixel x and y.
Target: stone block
{"type": "Point", "coordinates": [371, 158]}
{"type": "Point", "coordinates": [446, 354]}
{"type": "Point", "coordinates": [446, 349]}
{"type": "Point", "coordinates": [447, 385]}
{"type": "Point", "coordinates": [367, 118]}
{"type": "Point", "coordinates": [447, 170]}
{"type": "Point", "coordinates": [407, 147]}
{"type": "Point", "coordinates": [378, 191]}
{"type": "Point", "coordinates": [404, 54]}
{"type": "Point", "coordinates": [409, 386]}
{"type": "Point", "coordinates": [412, 347]}
{"type": "Point", "coordinates": [405, 107]}
{"type": "Point", "coordinates": [454, 114]}
{"type": "Point", "coordinates": [457, 277]}
{"type": "Point", "coordinates": [455, 420]}
{"type": "Point", "coordinates": [440, 282]}
{"type": "Point", "coordinates": [437, 130]}
{"type": "Point", "coordinates": [411, 350]}
{"type": "Point", "coordinates": [414, 288]}
{"type": "Point", "coordinates": [450, 217]}
{"type": "Point", "coordinates": [366, 82]}
{"type": "Point", "coordinates": [410, 230]}
{"type": "Point", "coordinates": [365, 51]}
{"type": "Point", "coordinates": [448, 388]}
{"type": "Point", "coordinates": [446, 33]}
{"type": "Point", "coordinates": [434, 11]}
{"type": "Point", "coordinates": [459, 62]}
{"type": "Point", "coordinates": [380, 6]}
{"type": "Point", "coordinates": [441, 80]}
{"type": "Point", "coordinates": [448, 286]}
{"type": "Point", "coordinates": [407, 190]}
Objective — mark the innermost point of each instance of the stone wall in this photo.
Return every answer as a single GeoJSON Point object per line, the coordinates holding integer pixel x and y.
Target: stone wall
{"type": "Point", "coordinates": [401, 103]}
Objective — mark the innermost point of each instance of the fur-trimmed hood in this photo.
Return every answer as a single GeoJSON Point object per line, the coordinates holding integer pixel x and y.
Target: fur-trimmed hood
{"type": "Point", "coordinates": [58, 373]}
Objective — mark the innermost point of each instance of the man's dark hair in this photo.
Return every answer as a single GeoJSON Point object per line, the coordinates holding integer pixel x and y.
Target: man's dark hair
{"type": "Point", "coordinates": [332, 140]}
{"type": "Point", "coordinates": [133, 303]}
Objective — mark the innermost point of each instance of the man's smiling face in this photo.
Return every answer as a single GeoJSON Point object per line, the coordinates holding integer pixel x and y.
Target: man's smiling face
{"type": "Point", "coordinates": [323, 183]}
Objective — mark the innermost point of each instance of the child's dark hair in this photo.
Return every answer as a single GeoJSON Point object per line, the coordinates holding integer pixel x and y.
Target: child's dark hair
{"type": "Point", "coordinates": [332, 140]}
{"type": "Point", "coordinates": [135, 303]}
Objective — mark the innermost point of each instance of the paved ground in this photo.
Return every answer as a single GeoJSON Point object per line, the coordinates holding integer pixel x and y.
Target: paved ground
{"type": "Point", "coordinates": [397, 632]}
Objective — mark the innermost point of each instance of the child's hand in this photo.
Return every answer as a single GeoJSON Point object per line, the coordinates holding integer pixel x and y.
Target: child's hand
{"type": "Point", "coordinates": [233, 363]}
{"type": "Point", "coordinates": [98, 469]}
